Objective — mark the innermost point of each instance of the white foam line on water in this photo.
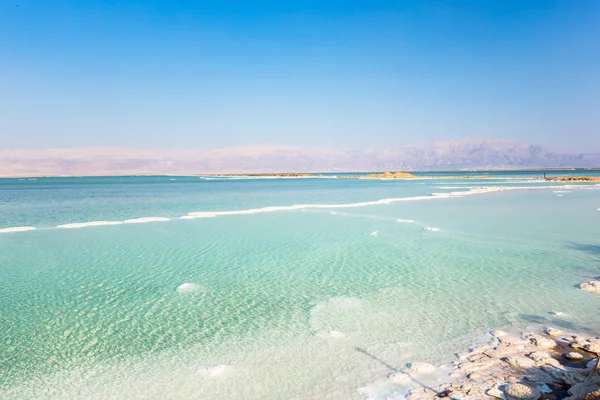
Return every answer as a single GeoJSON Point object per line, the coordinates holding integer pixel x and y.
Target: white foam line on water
{"type": "Point", "coordinates": [145, 220]}
{"type": "Point", "coordinates": [17, 229]}
{"type": "Point", "coordinates": [303, 207]}
{"type": "Point", "coordinates": [458, 194]}
{"type": "Point", "coordinates": [88, 224]}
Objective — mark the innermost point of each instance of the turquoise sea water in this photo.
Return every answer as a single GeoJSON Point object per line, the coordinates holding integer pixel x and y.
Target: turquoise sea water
{"type": "Point", "coordinates": [322, 300]}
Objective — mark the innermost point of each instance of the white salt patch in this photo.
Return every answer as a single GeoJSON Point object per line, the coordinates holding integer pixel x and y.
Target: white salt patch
{"type": "Point", "coordinates": [561, 191]}
{"type": "Point", "coordinates": [188, 287]}
{"type": "Point", "coordinates": [400, 378]}
{"type": "Point", "coordinates": [331, 334]}
{"type": "Point", "coordinates": [374, 233]}
{"type": "Point", "coordinates": [17, 229]}
{"type": "Point", "coordinates": [431, 229]}
{"type": "Point", "coordinates": [86, 224]}
{"type": "Point", "coordinates": [197, 216]}
{"type": "Point", "coordinates": [383, 389]}
{"type": "Point", "coordinates": [145, 220]}
{"type": "Point", "coordinates": [214, 371]}
{"type": "Point", "coordinates": [422, 368]}
{"type": "Point", "coordinates": [405, 221]}
{"type": "Point", "coordinates": [344, 302]}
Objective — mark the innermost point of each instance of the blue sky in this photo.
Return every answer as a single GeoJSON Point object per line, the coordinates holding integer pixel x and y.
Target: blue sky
{"type": "Point", "coordinates": [319, 73]}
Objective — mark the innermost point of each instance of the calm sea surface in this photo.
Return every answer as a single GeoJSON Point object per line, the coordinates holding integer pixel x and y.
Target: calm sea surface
{"type": "Point", "coordinates": [278, 288]}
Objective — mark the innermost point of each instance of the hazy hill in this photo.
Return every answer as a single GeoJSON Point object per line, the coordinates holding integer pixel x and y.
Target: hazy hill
{"type": "Point", "coordinates": [458, 154]}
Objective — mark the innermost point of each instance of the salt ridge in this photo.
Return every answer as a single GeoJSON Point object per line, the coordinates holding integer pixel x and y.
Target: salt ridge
{"type": "Point", "coordinates": [302, 207]}
{"type": "Point", "coordinates": [87, 224]}
{"type": "Point", "coordinates": [17, 229]}
{"type": "Point", "coordinates": [144, 220]}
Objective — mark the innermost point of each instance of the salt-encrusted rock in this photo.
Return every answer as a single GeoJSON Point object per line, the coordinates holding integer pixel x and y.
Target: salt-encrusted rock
{"type": "Point", "coordinates": [553, 362]}
{"type": "Point", "coordinates": [541, 341]}
{"type": "Point", "coordinates": [568, 378]}
{"type": "Point", "coordinates": [421, 393]}
{"type": "Point", "coordinates": [547, 368]}
{"type": "Point", "coordinates": [477, 357]}
{"type": "Point", "coordinates": [456, 375]}
{"type": "Point", "coordinates": [595, 395]}
{"type": "Point", "coordinates": [495, 392]}
{"type": "Point", "coordinates": [422, 368]}
{"type": "Point", "coordinates": [544, 388]}
{"type": "Point", "coordinates": [475, 366]}
{"type": "Point", "coordinates": [520, 362]}
{"type": "Point", "coordinates": [539, 356]}
{"type": "Point", "coordinates": [577, 342]}
{"type": "Point", "coordinates": [532, 378]}
{"type": "Point", "coordinates": [475, 393]}
{"type": "Point", "coordinates": [498, 334]}
{"type": "Point", "coordinates": [558, 313]}
{"type": "Point", "coordinates": [572, 356]}
{"type": "Point", "coordinates": [400, 378]}
{"type": "Point", "coordinates": [480, 349]}
{"type": "Point", "coordinates": [553, 331]}
{"type": "Point", "coordinates": [474, 376]}
{"type": "Point", "coordinates": [499, 351]}
{"type": "Point", "coordinates": [518, 391]}
{"type": "Point", "coordinates": [592, 286]}
{"type": "Point", "coordinates": [593, 346]}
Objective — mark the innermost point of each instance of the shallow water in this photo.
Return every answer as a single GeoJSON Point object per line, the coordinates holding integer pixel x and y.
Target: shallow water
{"type": "Point", "coordinates": [291, 302]}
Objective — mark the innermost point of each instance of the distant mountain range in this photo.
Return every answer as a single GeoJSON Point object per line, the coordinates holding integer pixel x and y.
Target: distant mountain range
{"type": "Point", "coordinates": [464, 154]}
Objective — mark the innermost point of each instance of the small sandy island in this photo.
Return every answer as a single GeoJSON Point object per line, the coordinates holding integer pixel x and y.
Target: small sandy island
{"type": "Point", "coordinates": [383, 175]}
{"type": "Point", "coordinates": [574, 179]}
{"type": "Point", "coordinates": [406, 175]}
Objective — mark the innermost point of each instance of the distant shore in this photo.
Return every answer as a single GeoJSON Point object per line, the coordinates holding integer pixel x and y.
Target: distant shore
{"type": "Point", "coordinates": [383, 175]}
{"type": "Point", "coordinates": [574, 179]}
{"type": "Point", "coordinates": [341, 174]}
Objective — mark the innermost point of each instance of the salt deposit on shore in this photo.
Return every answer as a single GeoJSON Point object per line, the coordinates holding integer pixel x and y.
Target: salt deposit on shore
{"type": "Point", "coordinates": [534, 366]}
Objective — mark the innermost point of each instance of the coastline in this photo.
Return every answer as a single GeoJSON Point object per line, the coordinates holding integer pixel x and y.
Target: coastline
{"type": "Point", "coordinates": [550, 365]}
{"type": "Point", "coordinates": [299, 174]}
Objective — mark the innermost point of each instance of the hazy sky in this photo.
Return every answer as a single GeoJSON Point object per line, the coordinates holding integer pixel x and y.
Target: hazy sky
{"type": "Point", "coordinates": [222, 73]}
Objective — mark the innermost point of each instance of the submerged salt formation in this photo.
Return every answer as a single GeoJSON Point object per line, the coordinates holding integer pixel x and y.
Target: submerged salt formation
{"type": "Point", "coordinates": [592, 286]}
{"type": "Point", "coordinates": [532, 367]}
{"type": "Point", "coordinates": [188, 287]}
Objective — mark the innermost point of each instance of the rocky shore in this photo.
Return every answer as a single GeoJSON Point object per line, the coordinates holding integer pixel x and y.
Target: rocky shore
{"type": "Point", "coordinates": [574, 179]}
{"type": "Point", "coordinates": [548, 366]}
{"type": "Point", "coordinates": [552, 365]}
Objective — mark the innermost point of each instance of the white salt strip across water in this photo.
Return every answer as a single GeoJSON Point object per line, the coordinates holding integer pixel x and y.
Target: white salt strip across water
{"type": "Point", "coordinates": [17, 229]}
{"type": "Point", "coordinates": [303, 207]}
{"type": "Point", "coordinates": [87, 224]}
{"type": "Point", "coordinates": [145, 220]}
